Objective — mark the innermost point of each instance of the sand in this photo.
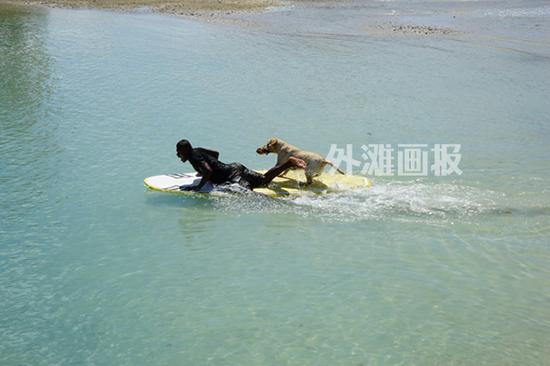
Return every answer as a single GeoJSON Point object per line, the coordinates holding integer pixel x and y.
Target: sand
{"type": "Point", "coordinates": [181, 7]}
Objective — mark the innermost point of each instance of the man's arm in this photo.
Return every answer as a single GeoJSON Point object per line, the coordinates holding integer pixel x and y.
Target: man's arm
{"type": "Point", "coordinates": [206, 175]}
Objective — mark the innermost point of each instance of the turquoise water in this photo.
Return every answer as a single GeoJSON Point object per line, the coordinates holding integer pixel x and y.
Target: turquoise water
{"type": "Point", "coordinates": [96, 270]}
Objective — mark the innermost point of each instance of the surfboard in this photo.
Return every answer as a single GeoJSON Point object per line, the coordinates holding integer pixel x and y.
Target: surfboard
{"type": "Point", "coordinates": [291, 184]}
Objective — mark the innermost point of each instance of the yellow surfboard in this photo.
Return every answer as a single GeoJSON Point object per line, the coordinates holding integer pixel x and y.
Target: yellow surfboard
{"type": "Point", "coordinates": [294, 184]}
{"type": "Point", "coordinates": [291, 184]}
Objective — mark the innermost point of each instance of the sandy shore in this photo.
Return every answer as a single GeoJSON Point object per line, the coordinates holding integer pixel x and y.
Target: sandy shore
{"type": "Point", "coordinates": [223, 11]}
{"type": "Point", "coordinates": [182, 7]}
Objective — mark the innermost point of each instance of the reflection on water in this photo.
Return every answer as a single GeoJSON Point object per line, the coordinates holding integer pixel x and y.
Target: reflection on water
{"type": "Point", "coordinates": [29, 226]}
{"type": "Point", "coordinates": [26, 140]}
{"type": "Point", "coordinates": [24, 68]}
{"type": "Point", "coordinates": [24, 86]}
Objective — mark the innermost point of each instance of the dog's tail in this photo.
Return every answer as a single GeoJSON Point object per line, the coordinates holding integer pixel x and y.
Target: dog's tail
{"type": "Point", "coordinates": [334, 166]}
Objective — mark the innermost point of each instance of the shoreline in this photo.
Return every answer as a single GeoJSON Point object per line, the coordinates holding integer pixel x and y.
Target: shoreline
{"type": "Point", "coordinates": [230, 12]}
{"type": "Point", "coordinates": [193, 8]}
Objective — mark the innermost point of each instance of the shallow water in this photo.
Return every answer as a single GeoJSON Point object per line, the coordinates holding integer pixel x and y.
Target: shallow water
{"type": "Point", "coordinates": [94, 269]}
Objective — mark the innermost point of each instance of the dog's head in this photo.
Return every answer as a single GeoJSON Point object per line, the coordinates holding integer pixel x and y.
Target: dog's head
{"type": "Point", "coordinates": [270, 147]}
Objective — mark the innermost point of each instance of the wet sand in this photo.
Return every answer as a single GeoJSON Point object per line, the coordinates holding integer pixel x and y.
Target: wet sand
{"type": "Point", "coordinates": [234, 12]}
{"type": "Point", "coordinates": [197, 8]}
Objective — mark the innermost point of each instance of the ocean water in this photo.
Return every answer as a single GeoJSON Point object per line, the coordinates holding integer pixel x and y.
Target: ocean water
{"type": "Point", "coordinates": [96, 270]}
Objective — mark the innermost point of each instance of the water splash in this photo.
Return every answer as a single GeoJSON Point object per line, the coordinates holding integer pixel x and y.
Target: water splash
{"type": "Point", "coordinates": [402, 200]}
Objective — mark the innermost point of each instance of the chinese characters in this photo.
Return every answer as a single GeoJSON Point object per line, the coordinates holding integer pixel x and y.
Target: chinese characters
{"type": "Point", "coordinates": [411, 160]}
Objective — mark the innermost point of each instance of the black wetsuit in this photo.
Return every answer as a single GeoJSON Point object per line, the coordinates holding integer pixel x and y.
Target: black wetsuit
{"type": "Point", "coordinates": [224, 173]}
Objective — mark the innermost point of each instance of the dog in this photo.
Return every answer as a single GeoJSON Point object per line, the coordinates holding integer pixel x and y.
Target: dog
{"type": "Point", "coordinates": [315, 163]}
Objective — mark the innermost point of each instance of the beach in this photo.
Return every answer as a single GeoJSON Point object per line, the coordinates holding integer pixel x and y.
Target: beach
{"type": "Point", "coordinates": [197, 8]}
{"type": "Point", "coordinates": [449, 267]}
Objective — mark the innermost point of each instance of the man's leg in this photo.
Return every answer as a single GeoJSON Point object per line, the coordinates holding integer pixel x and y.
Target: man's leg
{"type": "Point", "coordinates": [277, 170]}
{"type": "Point", "coordinates": [251, 179]}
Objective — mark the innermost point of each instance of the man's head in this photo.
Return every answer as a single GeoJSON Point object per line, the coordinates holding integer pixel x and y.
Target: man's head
{"type": "Point", "coordinates": [183, 149]}
{"type": "Point", "coordinates": [270, 147]}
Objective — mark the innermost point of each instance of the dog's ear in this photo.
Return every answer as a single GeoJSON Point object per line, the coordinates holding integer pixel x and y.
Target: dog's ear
{"type": "Point", "coordinates": [272, 142]}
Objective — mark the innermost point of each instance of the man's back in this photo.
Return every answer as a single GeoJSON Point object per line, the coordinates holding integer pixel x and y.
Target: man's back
{"type": "Point", "coordinates": [201, 158]}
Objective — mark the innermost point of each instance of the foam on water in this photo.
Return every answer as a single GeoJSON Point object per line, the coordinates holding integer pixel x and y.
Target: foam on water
{"type": "Point", "coordinates": [415, 200]}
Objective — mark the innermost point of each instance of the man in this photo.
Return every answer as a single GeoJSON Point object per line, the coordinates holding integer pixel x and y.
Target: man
{"type": "Point", "coordinates": [206, 163]}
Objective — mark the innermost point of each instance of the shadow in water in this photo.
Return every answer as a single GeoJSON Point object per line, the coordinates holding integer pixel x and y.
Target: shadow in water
{"type": "Point", "coordinates": [194, 212]}
{"type": "Point", "coordinates": [178, 200]}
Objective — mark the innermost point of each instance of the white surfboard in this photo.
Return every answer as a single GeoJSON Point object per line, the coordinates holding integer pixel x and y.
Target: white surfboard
{"type": "Point", "coordinates": [176, 183]}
